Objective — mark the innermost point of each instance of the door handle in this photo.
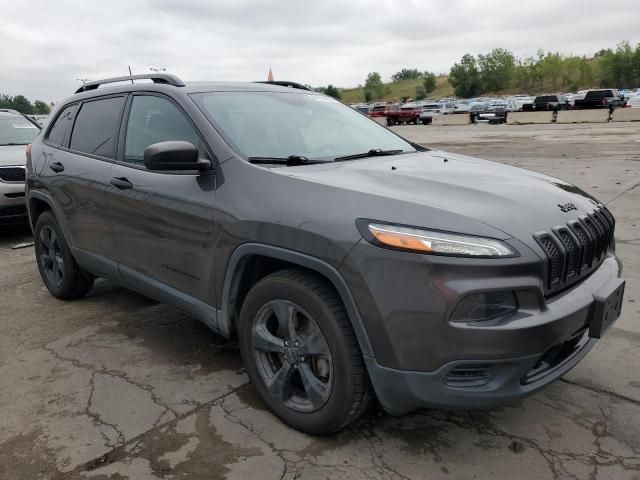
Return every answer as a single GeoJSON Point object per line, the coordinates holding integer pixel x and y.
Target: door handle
{"type": "Point", "coordinates": [56, 167]}
{"type": "Point", "coordinates": [121, 182]}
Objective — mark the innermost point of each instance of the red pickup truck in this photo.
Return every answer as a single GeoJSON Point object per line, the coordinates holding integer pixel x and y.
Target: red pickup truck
{"type": "Point", "coordinates": [407, 113]}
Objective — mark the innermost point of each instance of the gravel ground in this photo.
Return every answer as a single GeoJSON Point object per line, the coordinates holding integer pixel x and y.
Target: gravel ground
{"type": "Point", "coordinates": [118, 386]}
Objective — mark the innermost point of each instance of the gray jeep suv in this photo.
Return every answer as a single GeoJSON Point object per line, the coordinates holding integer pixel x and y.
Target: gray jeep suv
{"type": "Point", "coordinates": [349, 263]}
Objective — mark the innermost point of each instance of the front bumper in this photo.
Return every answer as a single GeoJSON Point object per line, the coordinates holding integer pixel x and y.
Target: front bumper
{"type": "Point", "coordinates": [477, 381]}
{"type": "Point", "coordinates": [12, 202]}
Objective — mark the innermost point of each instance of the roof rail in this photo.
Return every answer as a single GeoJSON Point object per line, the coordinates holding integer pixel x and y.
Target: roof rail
{"type": "Point", "coordinates": [9, 110]}
{"type": "Point", "coordinates": [165, 78]}
{"type": "Point", "coordinates": [286, 83]}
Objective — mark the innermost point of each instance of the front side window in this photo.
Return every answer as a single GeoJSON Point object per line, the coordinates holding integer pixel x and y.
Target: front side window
{"type": "Point", "coordinates": [61, 126]}
{"type": "Point", "coordinates": [267, 124]}
{"type": "Point", "coordinates": [153, 120]}
{"type": "Point", "coordinates": [16, 130]}
{"type": "Point", "coordinates": [96, 127]}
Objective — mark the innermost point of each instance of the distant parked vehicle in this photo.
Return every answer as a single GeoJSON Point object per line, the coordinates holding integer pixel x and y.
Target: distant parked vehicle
{"type": "Point", "coordinates": [408, 113]}
{"type": "Point", "coordinates": [362, 108]}
{"type": "Point", "coordinates": [548, 102]}
{"type": "Point", "coordinates": [608, 98]}
{"type": "Point", "coordinates": [428, 112]}
{"type": "Point", "coordinates": [378, 109]}
{"type": "Point", "coordinates": [476, 109]}
{"type": "Point", "coordinates": [633, 102]}
{"type": "Point", "coordinates": [495, 113]}
{"type": "Point", "coordinates": [16, 132]}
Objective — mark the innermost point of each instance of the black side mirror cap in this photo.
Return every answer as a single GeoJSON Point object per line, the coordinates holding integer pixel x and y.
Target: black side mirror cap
{"type": "Point", "coordinates": [174, 155]}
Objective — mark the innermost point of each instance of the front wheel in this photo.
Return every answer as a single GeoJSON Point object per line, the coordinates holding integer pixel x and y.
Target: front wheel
{"type": "Point", "coordinates": [301, 352]}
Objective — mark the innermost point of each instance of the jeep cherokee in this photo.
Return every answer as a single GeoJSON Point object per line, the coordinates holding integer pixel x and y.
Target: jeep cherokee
{"type": "Point", "coordinates": [349, 263]}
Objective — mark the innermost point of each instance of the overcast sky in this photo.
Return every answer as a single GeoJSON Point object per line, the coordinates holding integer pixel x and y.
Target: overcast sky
{"type": "Point", "coordinates": [45, 45]}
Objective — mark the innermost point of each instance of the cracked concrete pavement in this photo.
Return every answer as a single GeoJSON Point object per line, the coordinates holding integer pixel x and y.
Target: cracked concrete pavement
{"type": "Point", "coordinates": [118, 386]}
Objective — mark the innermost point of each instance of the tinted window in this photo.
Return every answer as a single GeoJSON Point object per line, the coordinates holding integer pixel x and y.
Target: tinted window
{"type": "Point", "coordinates": [96, 127]}
{"type": "Point", "coordinates": [16, 130]}
{"type": "Point", "coordinates": [61, 126]}
{"type": "Point", "coordinates": [153, 120]}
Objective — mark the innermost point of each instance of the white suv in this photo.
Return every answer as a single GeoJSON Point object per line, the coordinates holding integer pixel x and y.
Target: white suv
{"type": "Point", "coordinates": [16, 132]}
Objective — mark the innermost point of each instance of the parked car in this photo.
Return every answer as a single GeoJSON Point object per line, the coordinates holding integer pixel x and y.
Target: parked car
{"type": "Point", "coordinates": [548, 102]}
{"type": "Point", "coordinates": [495, 113]}
{"type": "Point", "coordinates": [428, 111]}
{"type": "Point", "coordinates": [633, 102]}
{"type": "Point", "coordinates": [517, 104]}
{"type": "Point", "coordinates": [607, 98]}
{"type": "Point", "coordinates": [383, 109]}
{"type": "Point", "coordinates": [16, 132]}
{"type": "Point", "coordinates": [350, 264]}
{"type": "Point", "coordinates": [407, 113]}
{"type": "Point", "coordinates": [362, 108]}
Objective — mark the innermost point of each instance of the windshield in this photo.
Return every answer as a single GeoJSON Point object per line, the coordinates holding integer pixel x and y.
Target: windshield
{"type": "Point", "coordinates": [278, 125]}
{"type": "Point", "coordinates": [17, 130]}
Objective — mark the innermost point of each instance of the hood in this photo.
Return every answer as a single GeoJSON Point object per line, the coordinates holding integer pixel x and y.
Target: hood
{"type": "Point", "coordinates": [516, 201]}
{"type": "Point", "coordinates": [13, 155]}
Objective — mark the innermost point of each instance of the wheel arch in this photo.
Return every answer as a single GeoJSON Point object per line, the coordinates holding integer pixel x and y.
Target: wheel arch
{"type": "Point", "coordinates": [252, 261]}
{"type": "Point", "coordinates": [37, 204]}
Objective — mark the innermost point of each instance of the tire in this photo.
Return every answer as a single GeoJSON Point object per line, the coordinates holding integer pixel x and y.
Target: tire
{"type": "Point", "coordinates": [62, 276]}
{"type": "Point", "coordinates": [327, 361]}
{"type": "Point", "coordinates": [390, 122]}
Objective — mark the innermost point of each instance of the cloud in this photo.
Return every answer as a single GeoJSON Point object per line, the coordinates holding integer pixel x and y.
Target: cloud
{"type": "Point", "coordinates": [47, 45]}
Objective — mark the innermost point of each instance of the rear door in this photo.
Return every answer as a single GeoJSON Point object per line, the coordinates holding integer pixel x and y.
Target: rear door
{"type": "Point", "coordinates": [81, 146]}
{"type": "Point", "coordinates": [163, 221]}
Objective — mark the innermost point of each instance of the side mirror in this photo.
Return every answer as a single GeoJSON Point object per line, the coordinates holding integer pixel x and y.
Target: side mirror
{"type": "Point", "coordinates": [174, 155]}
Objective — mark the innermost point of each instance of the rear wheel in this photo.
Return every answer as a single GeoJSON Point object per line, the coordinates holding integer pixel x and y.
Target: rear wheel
{"type": "Point", "coordinates": [60, 273]}
{"type": "Point", "coordinates": [301, 353]}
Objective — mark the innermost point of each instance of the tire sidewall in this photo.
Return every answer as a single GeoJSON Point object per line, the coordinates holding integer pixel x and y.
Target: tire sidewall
{"type": "Point", "coordinates": [64, 289]}
{"type": "Point", "coordinates": [332, 414]}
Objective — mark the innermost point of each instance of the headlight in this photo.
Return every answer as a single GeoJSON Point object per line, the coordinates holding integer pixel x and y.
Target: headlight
{"type": "Point", "coordinates": [433, 242]}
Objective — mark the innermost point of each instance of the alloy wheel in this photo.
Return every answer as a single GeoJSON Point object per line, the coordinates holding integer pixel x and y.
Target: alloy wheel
{"type": "Point", "coordinates": [292, 356]}
{"type": "Point", "coordinates": [51, 257]}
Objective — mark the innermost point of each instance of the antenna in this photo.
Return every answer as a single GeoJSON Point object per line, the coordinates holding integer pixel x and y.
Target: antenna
{"type": "Point", "coordinates": [130, 74]}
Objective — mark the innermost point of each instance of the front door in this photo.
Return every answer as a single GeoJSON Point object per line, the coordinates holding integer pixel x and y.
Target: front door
{"type": "Point", "coordinates": [162, 221]}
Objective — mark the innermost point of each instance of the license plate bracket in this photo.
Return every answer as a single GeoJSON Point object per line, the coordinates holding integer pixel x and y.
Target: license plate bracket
{"type": "Point", "coordinates": [607, 308]}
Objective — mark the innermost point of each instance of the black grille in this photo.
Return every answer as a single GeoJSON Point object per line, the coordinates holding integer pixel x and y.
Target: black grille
{"type": "Point", "coordinates": [574, 250]}
{"type": "Point", "coordinates": [12, 174]}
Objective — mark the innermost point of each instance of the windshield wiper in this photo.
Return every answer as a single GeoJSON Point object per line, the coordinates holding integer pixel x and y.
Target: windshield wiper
{"type": "Point", "coordinates": [290, 161]}
{"type": "Point", "coordinates": [375, 152]}
{"type": "Point", "coordinates": [11, 144]}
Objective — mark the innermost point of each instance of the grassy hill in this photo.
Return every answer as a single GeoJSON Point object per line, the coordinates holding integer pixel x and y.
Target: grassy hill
{"type": "Point", "coordinates": [398, 90]}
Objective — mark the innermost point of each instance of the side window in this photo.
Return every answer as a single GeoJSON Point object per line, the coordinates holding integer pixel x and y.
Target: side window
{"type": "Point", "coordinates": [59, 129]}
{"type": "Point", "coordinates": [96, 127]}
{"type": "Point", "coordinates": [152, 120]}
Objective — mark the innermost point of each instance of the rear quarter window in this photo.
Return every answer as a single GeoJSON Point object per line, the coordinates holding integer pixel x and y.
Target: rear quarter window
{"type": "Point", "coordinates": [60, 127]}
{"type": "Point", "coordinates": [96, 127]}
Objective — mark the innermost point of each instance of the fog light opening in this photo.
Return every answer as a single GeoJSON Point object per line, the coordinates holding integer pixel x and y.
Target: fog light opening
{"type": "Point", "coordinates": [481, 307]}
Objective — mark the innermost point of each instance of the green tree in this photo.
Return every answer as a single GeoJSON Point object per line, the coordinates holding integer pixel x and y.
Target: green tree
{"type": "Point", "coordinates": [406, 74]}
{"type": "Point", "coordinates": [41, 108]}
{"type": "Point", "coordinates": [465, 77]}
{"type": "Point", "coordinates": [368, 96]}
{"type": "Point", "coordinates": [332, 91]}
{"type": "Point", "coordinates": [22, 104]}
{"type": "Point", "coordinates": [375, 87]}
{"type": "Point", "coordinates": [428, 82]}
{"type": "Point", "coordinates": [420, 92]}
{"type": "Point", "coordinates": [497, 69]}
